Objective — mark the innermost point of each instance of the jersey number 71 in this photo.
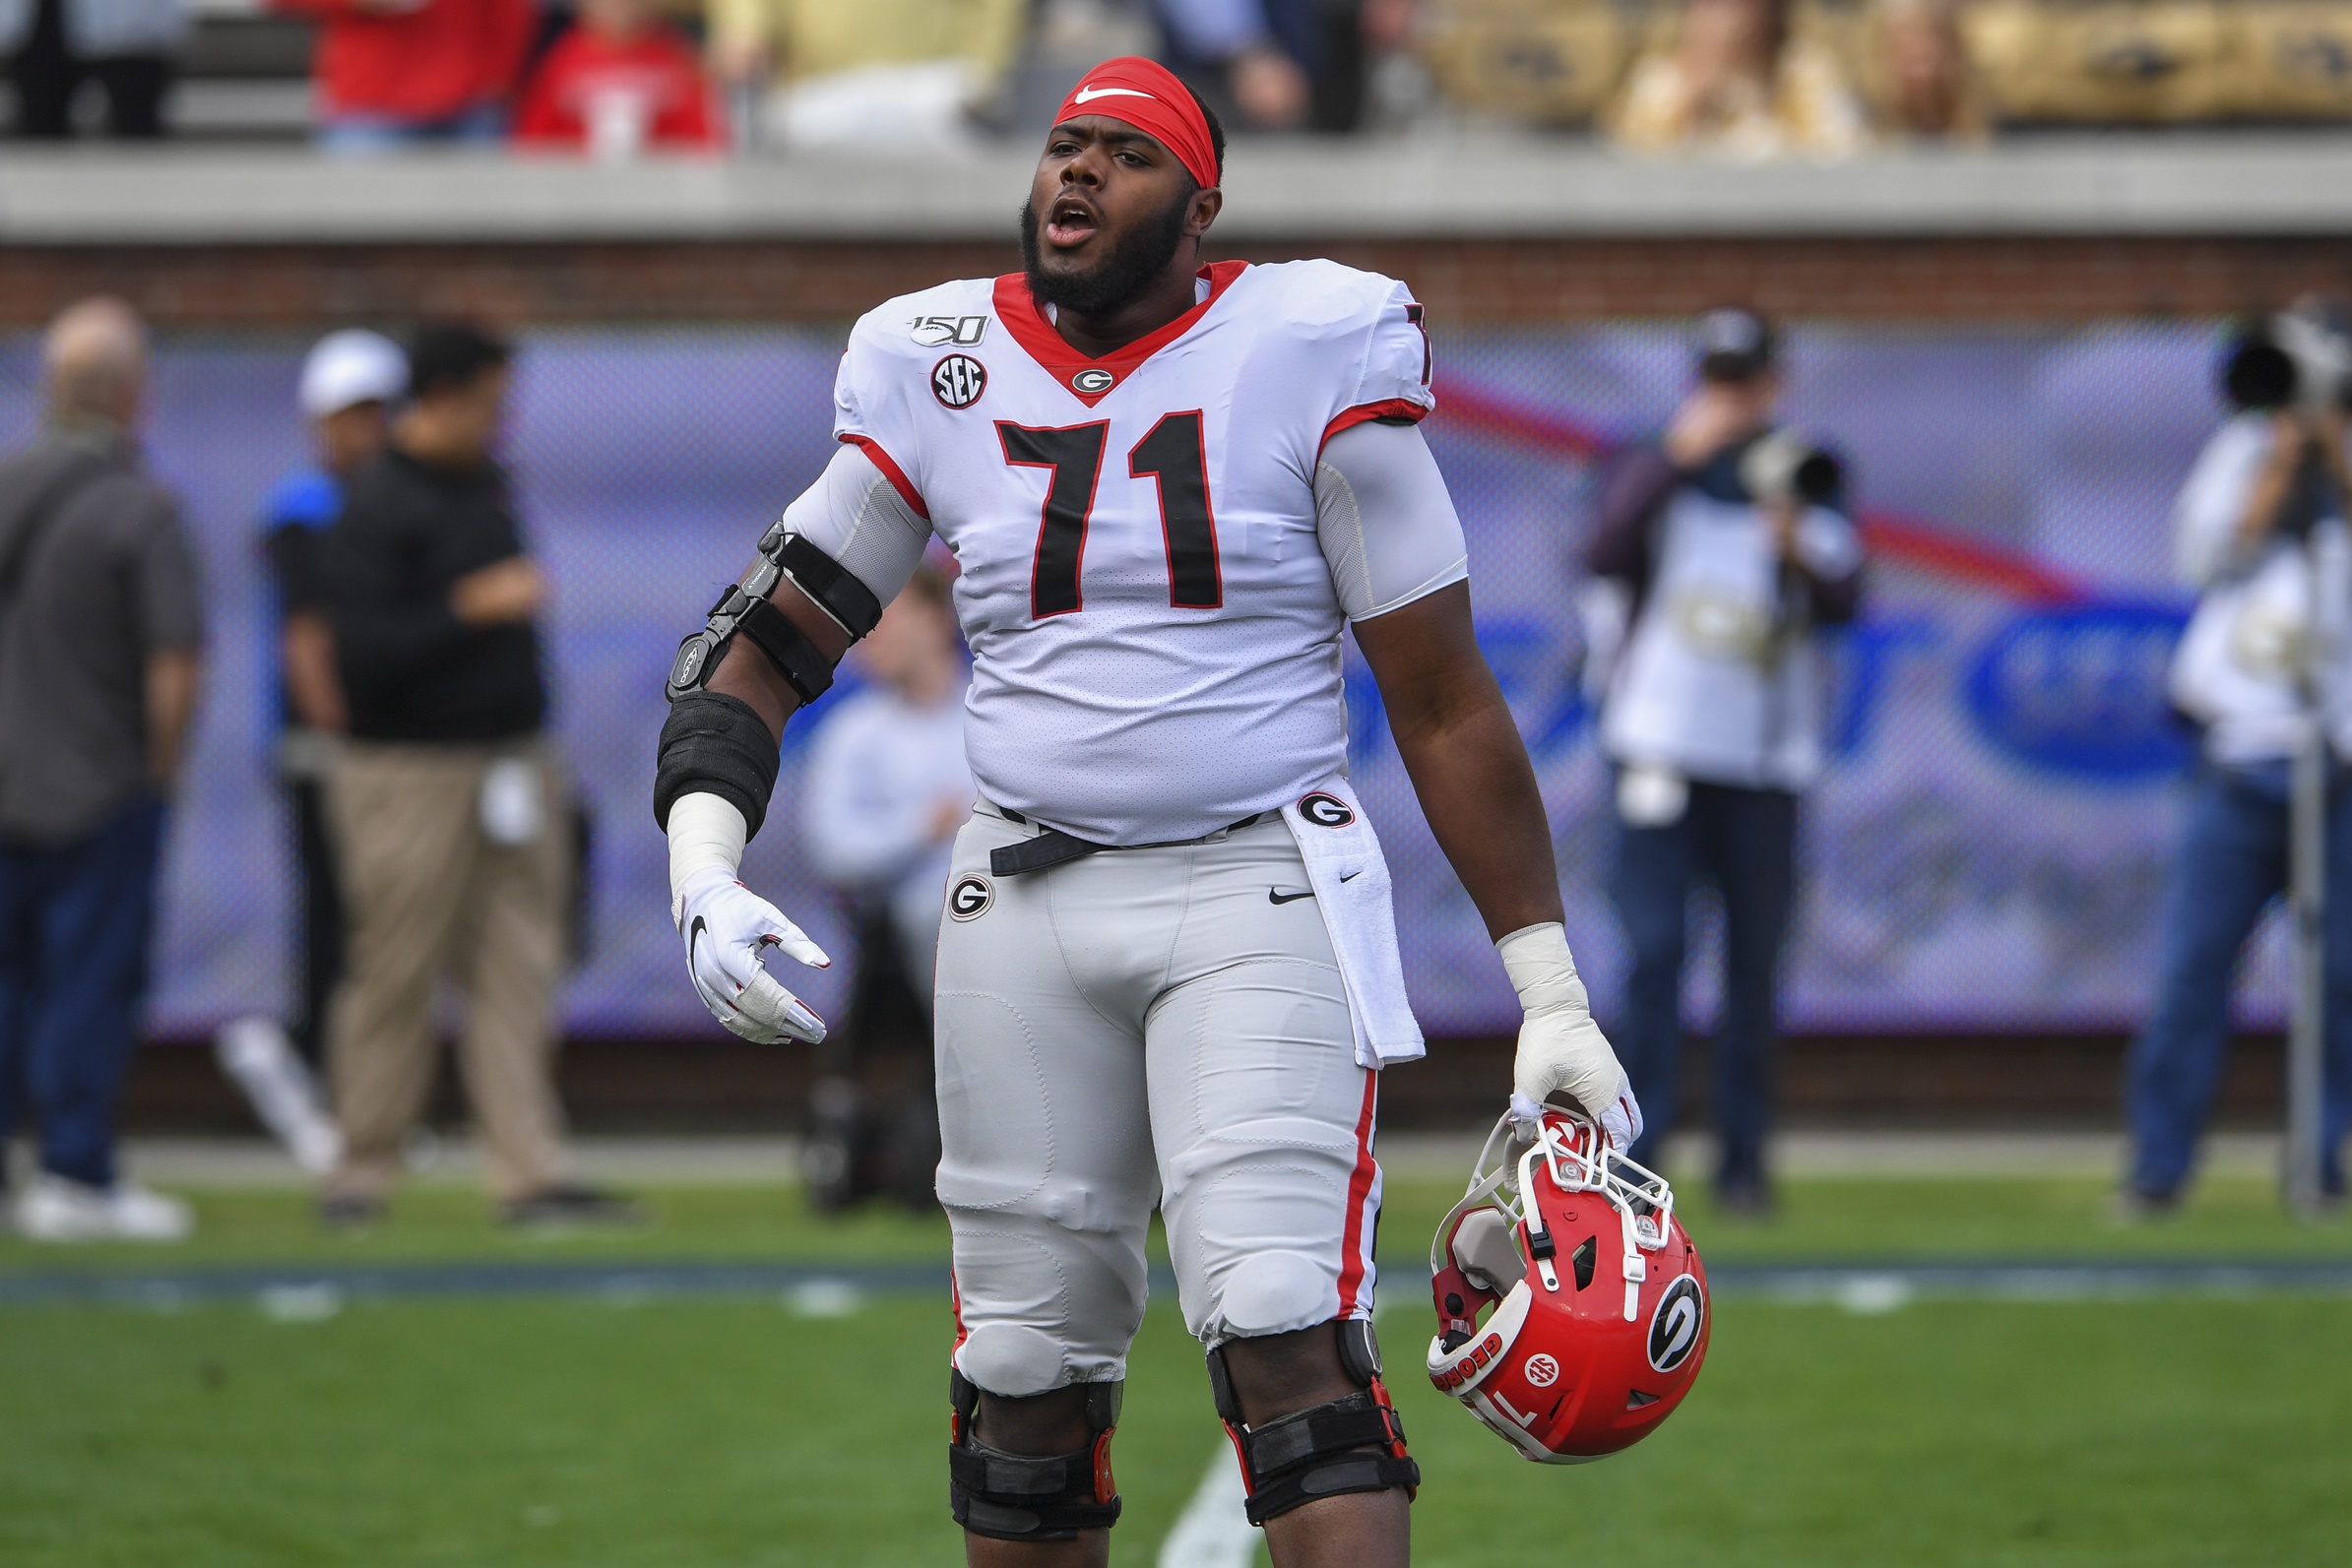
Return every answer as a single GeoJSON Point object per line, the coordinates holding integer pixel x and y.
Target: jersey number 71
{"type": "Point", "coordinates": [1177, 460]}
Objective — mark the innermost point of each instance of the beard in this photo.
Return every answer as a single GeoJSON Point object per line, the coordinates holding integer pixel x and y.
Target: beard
{"type": "Point", "coordinates": [1135, 261]}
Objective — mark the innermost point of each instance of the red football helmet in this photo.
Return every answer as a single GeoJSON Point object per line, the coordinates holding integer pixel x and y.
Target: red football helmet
{"type": "Point", "coordinates": [1600, 1319]}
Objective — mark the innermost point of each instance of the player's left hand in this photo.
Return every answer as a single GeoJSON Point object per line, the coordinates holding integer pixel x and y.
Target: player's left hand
{"type": "Point", "coordinates": [726, 927]}
{"type": "Point", "coordinates": [1571, 1057]}
{"type": "Point", "coordinates": [1562, 1050]}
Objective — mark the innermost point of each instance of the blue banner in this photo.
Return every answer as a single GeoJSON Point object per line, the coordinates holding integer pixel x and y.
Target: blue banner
{"type": "Point", "coordinates": [1986, 851]}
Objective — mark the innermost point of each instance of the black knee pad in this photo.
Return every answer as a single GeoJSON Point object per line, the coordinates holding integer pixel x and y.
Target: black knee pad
{"type": "Point", "coordinates": [1351, 1444]}
{"type": "Point", "coordinates": [1026, 1496]}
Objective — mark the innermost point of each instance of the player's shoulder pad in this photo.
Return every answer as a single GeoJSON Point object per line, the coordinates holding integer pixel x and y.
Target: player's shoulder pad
{"type": "Point", "coordinates": [1322, 298]}
{"type": "Point", "coordinates": [893, 350]}
{"type": "Point", "coordinates": [1366, 328]}
{"type": "Point", "coordinates": [919, 325]}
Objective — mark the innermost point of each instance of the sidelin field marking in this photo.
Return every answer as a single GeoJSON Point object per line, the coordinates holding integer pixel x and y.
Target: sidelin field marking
{"type": "Point", "coordinates": [827, 1289]}
{"type": "Point", "coordinates": [1212, 1532]}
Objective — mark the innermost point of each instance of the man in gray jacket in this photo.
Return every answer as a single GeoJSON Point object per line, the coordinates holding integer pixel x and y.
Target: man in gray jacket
{"type": "Point", "coordinates": [100, 634]}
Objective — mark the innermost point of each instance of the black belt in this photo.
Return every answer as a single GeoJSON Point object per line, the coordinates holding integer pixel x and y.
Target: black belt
{"type": "Point", "coordinates": [1051, 846]}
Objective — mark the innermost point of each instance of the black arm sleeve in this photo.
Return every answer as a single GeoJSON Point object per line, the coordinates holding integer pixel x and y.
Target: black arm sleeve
{"type": "Point", "coordinates": [715, 744]}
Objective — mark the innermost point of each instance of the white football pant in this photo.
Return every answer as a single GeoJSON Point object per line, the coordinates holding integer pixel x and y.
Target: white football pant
{"type": "Point", "coordinates": [1146, 1024]}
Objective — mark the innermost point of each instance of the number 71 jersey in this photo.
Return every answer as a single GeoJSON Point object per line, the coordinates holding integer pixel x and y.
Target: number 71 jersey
{"type": "Point", "coordinates": [1155, 635]}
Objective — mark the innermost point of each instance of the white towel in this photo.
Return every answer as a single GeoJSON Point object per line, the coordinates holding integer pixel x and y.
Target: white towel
{"type": "Point", "coordinates": [1350, 878]}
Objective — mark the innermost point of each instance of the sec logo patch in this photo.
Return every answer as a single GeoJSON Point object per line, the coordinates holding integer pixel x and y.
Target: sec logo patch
{"type": "Point", "coordinates": [1093, 381]}
{"type": "Point", "coordinates": [958, 380]}
{"type": "Point", "coordinates": [1326, 811]}
{"type": "Point", "coordinates": [1542, 1371]}
{"type": "Point", "coordinates": [970, 898]}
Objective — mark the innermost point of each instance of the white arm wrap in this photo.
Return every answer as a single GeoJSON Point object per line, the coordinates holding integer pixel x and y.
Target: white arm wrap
{"type": "Point", "coordinates": [1537, 958]}
{"type": "Point", "coordinates": [705, 833]}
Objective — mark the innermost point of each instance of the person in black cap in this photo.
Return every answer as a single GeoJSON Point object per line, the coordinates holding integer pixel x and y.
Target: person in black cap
{"type": "Point", "coordinates": [1725, 542]}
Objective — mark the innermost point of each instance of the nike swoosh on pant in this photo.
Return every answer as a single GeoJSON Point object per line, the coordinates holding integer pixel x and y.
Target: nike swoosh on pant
{"type": "Point", "coordinates": [1272, 896]}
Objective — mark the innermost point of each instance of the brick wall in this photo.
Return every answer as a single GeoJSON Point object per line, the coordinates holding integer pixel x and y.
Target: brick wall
{"type": "Point", "coordinates": [1464, 280]}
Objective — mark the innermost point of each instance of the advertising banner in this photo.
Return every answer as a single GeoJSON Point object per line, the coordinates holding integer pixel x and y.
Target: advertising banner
{"type": "Point", "coordinates": [1986, 851]}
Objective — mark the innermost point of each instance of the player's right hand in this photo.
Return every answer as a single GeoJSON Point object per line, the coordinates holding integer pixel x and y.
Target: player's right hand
{"type": "Point", "coordinates": [726, 927]}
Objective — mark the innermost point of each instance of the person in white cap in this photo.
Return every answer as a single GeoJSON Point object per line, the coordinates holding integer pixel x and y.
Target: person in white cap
{"type": "Point", "coordinates": [349, 382]}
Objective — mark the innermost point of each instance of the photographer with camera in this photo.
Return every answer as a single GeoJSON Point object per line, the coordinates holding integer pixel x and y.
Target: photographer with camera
{"type": "Point", "coordinates": [1723, 546]}
{"type": "Point", "coordinates": [2260, 531]}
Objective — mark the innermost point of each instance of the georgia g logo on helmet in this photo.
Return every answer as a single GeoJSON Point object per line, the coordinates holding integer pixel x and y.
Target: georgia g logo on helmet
{"type": "Point", "coordinates": [1675, 1325]}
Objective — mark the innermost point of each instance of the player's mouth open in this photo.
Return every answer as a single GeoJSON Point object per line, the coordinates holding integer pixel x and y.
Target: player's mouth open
{"type": "Point", "coordinates": [1070, 221]}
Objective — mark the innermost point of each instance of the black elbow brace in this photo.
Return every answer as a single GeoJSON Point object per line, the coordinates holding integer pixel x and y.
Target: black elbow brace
{"type": "Point", "coordinates": [1351, 1444]}
{"type": "Point", "coordinates": [1027, 1497]}
{"type": "Point", "coordinates": [745, 607]}
{"type": "Point", "coordinates": [715, 744]}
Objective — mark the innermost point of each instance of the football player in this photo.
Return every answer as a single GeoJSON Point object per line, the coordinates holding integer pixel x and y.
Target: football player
{"type": "Point", "coordinates": [1167, 969]}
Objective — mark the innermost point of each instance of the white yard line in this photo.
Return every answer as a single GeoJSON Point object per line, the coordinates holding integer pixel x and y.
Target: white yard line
{"type": "Point", "coordinates": [1212, 1532]}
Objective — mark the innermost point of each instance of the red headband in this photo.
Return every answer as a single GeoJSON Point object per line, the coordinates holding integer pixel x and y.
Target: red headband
{"type": "Point", "coordinates": [1148, 97]}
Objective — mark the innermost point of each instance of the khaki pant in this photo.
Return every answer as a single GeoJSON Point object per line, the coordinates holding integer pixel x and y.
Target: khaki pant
{"type": "Point", "coordinates": [430, 897]}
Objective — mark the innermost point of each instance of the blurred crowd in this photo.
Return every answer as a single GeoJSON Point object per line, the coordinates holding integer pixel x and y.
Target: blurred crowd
{"type": "Point", "coordinates": [1746, 79]}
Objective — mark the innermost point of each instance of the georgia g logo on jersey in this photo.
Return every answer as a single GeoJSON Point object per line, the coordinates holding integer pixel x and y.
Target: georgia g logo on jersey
{"type": "Point", "coordinates": [1675, 1325]}
{"type": "Point", "coordinates": [958, 380]}
{"type": "Point", "coordinates": [970, 898]}
{"type": "Point", "coordinates": [1326, 810]}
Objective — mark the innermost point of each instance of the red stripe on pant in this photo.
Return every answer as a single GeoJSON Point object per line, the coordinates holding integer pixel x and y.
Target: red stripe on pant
{"type": "Point", "coordinates": [1352, 1241]}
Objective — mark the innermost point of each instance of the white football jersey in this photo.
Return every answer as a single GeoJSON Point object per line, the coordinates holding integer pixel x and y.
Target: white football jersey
{"type": "Point", "coordinates": [1152, 616]}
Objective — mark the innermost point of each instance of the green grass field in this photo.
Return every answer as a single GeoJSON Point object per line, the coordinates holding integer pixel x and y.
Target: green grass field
{"type": "Point", "coordinates": [731, 1431]}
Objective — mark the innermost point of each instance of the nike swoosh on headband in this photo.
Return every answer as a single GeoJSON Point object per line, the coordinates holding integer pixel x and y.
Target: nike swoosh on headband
{"type": "Point", "coordinates": [1087, 95]}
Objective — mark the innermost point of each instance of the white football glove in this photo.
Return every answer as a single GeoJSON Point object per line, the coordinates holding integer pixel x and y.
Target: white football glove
{"type": "Point", "coordinates": [1562, 1050]}
{"type": "Point", "coordinates": [727, 926]}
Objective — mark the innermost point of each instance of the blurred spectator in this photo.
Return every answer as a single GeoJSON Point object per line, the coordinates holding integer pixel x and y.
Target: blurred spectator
{"type": "Point", "coordinates": [887, 783]}
{"type": "Point", "coordinates": [894, 74]}
{"type": "Point", "coordinates": [349, 382]}
{"type": "Point", "coordinates": [2259, 531]}
{"type": "Point", "coordinates": [1729, 544]}
{"type": "Point", "coordinates": [1251, 59]}
{"type": "Point", "coordinates": [1548, 62]}
{"type": "Point", "coordinates": [445, 799]}
{"type": "Point", "coordinates": [886, 790]}
{"type": "Point", "coordinates": [620, 80]}
{"type": "Point", "coordinates": [347, 385]}
{"type": "Point", "coordinates": [126, 47]}
{"type": "Point", "coordinates": [101, 628]}
{"type": "Point", "coordinates": [1924, 85]}
{"type": "Point", "coordinates": [395, 73]}
{"type": "Point", "coordinates": [1735, 80]}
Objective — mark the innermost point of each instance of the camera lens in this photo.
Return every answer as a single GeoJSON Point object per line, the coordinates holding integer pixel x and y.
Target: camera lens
{"type": "Point", "coordinates": [2259, 376]}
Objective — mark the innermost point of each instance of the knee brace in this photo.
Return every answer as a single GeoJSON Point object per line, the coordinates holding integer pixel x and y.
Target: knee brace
{"type": "Point", "coordinates": [1027, 1497]}
{"type": "Point", "coordinates": [1351, 1444]}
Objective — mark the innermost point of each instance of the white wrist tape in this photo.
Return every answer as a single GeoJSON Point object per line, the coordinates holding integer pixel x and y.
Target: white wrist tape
{"type": "Point", "coordinates": [1536, 957]}
{"type": "Point", "coordinates": [706, 834]}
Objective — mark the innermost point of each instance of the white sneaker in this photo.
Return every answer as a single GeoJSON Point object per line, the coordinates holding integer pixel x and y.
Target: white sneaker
{"type": "Point", "coordinates": [138, 1215]}
{"type": "Point", "coordinates": [55, 1209]}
